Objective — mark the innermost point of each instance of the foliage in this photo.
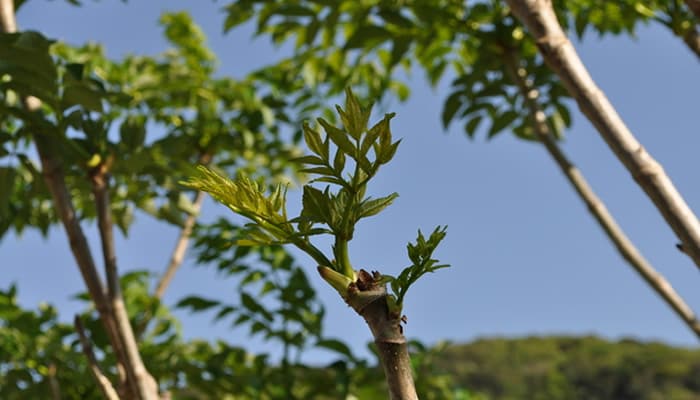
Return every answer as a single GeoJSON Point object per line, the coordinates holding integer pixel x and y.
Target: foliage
{"type": "Point", "coordinates": [572, 368]}
{"type": "Point", "coordinates": [368, 148]}
{"type": "Point", "coordinates": [103, 112]}
{"type": "Point", "coordinates": [472, 43]}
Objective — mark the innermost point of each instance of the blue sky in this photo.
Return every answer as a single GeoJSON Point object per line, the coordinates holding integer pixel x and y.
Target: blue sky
{"type": "Point", "coordinates": [526, 256]}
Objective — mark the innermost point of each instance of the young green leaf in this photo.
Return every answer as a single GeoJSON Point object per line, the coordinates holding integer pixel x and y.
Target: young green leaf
{"type": "Point", "coordinates": [371, 207]}
{"type": "Point", "coordinates": [339, 138]}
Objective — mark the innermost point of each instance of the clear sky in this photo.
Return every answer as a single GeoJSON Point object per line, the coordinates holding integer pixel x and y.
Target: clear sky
{"type": "Point", "coordinates": [526, 256]}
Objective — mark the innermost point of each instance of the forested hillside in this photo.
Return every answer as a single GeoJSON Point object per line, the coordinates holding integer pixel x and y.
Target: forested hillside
{"type": "Point", "coordinates": [573, 368]}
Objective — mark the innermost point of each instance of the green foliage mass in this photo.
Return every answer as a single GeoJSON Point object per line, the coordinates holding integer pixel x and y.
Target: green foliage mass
{"type": "Point", "coordinates": [567, 368]}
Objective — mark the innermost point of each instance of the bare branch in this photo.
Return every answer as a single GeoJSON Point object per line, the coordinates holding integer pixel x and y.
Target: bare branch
{"type": "Point", "coordinates": [136, 371]}
{"type": "Point", "coordinates": [183, 240]}
{"type": "Point", "coordinates": [99, 178]}
{"type": "Point", "coordinates": [595, 205]}
{"type": "Point", "coordinates": [102, 381]}
{"type": "Point", "coordinates": [539, 17]}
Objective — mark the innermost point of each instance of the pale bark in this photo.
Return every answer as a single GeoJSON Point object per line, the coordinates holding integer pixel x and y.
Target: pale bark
{"type": "Point", "coordinates": [595, 205]}
{"type": "Point", "coordinates": [558, 52]}
{"type": "Point", "coordinates": [102, 381]}
{"type": "Point", "coordinates": [143, 382]}
{"type": "Point", "coordinates": [138, 384]}
{"type": "Point", "coordinates": [180, 249]}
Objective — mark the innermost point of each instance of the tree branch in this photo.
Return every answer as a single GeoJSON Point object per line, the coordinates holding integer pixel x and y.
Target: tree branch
{"type": "Point", "coordinates": [595, 205]}
{"type": "Point", "coordinates": [144, 383]}
{"type": "Point", "coordinates": [558, 52]}
{"type": "Point", "coordinates": [102, 381]}
{"type": "Point", "coordinates": [180, 249]}
{"type": "Point", "coordinates": [112, 315]}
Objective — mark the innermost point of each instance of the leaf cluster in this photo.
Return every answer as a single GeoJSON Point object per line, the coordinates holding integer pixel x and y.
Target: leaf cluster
{"type": "Point", "coordinates": [422, 262]}
{"type": "Point", "coordinates": [472, 41]}
{"type": "Point", "coordinates": [148, 119]}
{"type": "Point", "coordinates": [365, 148]}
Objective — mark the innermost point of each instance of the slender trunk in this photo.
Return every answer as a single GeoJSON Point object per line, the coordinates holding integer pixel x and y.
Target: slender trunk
{"type": "Point", "coordinates": [558, 52]}
{"type": "Point", "coordinates": [134, 379]}
{"type": "Point", "coordinates": [141, 379]}
{"type": "Point", "coordinates": [369, 300]}
{"type": "Point", "coordinates": [102, 382]}
{"type": "Point", "coordinates": [595, 205]}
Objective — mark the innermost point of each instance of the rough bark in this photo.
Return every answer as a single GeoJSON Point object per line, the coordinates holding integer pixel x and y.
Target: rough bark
{"type": "Point", "coordinates": [369, 300]}
{"type": "Point", "coordinates": [595, 205]}
{"type": "Point", "coordinates": [558, 52]}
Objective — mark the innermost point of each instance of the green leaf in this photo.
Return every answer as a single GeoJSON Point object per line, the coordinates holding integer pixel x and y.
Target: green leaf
{"type": "Point", "coordinates": [502, 121]}
{"type": "Point", "coordinates": [312, 138]}
{"type": "Point", "coordinates": [470, 127]}
{"type": "Point", "coordinates": [293, 10]}
{"type": "Point", "coordinates": [339, 138]}
{"type": "Point", "coordinates": [311, 160]}
{"type": "Point", "coordinates": [80, 94]}
{"type": "Point", "coordinates": [319, 170]}
{"type": "Point", "coordinates": [196, 303]}
{"type": "Point", "coordinates": [316, 205]}
{"type": "Point", "coordinates": [339, 162]}
{"type": "Point", "coordinates": [380, 129]}
{"type": "Point", "coordinates": [253, 306]}
{"type": "Point", "coordinates": [337, 346]}
{"type": "Point", "coordinates": [355, 119]}
{"type": "Point", "coordinates": [367, 37]}
{"type": "Point", "coordinates": [132, 132]}
{"type": "Point", "coordinates": [452, 105]}
{"type": "Point", "coordinates": [388, 152]}
{"type": "Point", "coordinates": [371, 207]}
{"type": "Point", "coordinates": [7, 183]}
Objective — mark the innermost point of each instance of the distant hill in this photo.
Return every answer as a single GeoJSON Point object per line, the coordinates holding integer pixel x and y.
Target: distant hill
{"type": "Point", "coordinates": [590, 368]}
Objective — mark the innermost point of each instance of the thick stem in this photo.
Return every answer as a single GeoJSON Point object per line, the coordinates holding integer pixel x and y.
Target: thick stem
{"type": "Point", "coordinates": [558, 52]}
{"type": "Point", "coordinates": [595, 205]}
{"type": "Point", "coordinates": [370, 301]}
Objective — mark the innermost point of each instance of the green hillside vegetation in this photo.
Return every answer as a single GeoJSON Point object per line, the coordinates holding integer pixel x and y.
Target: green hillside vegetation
{"type": "Point", "coordinates": [573, 368]}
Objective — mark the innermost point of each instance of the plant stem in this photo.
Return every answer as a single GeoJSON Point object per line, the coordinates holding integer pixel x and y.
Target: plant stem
{"type": "Point", "coordinates": [369, 299]}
